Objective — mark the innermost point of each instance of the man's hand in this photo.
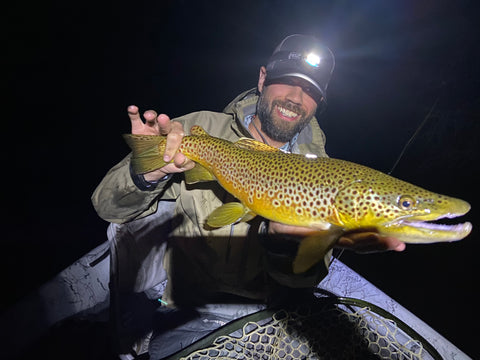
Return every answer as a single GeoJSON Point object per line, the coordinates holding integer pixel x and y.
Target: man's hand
{"type": "Point", "coordinates": [368, 241]}
{"type": "Point", "coordinates": [161, 125]}
{"type": "Point", "coordinates": [361, 241]}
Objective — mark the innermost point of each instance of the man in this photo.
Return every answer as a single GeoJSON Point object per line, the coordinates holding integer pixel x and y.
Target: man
{"type": "Point", "coordinates": [246, 260]}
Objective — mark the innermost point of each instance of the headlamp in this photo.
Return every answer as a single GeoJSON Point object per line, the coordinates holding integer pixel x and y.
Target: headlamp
{"type": "Point", "coordinates": [313, 59]}
{"type": "Point", "coordinates": [304, 57]}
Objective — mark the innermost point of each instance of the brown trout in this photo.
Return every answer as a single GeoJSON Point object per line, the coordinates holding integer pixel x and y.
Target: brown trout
{"type": "Point", "coordinates": [331, 196]}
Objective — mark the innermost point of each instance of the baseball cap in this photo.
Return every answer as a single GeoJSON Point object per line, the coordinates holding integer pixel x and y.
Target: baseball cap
{"type": "Point", "coordinates": [302, 56]}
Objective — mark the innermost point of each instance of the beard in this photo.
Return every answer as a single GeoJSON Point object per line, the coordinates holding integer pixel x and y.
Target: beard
{"type": "Point", "coordinates": [278, 129]}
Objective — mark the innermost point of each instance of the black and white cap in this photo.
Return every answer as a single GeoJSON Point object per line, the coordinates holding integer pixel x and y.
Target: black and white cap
{"type": "Point", "coordinates": [302, 56]}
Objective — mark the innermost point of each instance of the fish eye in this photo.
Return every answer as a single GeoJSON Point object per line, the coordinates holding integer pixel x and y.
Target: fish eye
{"type": "Point", "coordinates": [406, 202]}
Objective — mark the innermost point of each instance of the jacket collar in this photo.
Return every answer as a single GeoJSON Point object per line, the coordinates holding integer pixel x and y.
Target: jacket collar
{"type": "Point", "coordinates": [246, 104]}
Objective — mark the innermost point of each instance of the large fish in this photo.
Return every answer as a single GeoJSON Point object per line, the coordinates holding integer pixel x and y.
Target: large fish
{"type": "Point", "coordinates": [331, 196]}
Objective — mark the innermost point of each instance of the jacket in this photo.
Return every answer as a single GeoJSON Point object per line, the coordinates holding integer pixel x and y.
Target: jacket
{"type": "Point", "coordinates": [202, 260]}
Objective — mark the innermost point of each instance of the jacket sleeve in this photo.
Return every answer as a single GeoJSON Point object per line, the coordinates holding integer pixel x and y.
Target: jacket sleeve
{"type": "Point", "coordinates": [117, 199]}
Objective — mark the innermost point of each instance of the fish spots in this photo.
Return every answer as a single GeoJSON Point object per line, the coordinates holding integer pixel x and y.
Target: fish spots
{"type": "Point", "coordinates": [310, 190]}
{"type": "Point", "coordinates": [371, 196]}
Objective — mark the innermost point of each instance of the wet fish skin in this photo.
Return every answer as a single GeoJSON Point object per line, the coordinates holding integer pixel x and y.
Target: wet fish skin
{"type": "Point", "coordinates": [331, 196]}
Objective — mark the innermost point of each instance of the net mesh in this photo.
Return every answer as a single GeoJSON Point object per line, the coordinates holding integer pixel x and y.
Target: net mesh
{"type": "Point", "coordinates": [329, 332]}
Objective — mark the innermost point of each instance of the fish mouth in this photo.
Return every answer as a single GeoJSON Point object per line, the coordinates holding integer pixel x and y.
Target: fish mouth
{"type": "Point", "coordinates": [410, 230]}
{"type": "Point", "coordinates": [456, 228]}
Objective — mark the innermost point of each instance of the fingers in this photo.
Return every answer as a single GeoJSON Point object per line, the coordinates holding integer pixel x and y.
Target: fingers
{"type": "Point", "coordinates": [157, 125]}
{"type": "Point", "coordinates": [368, 242]}
{"type": "Point", "coordinates": [175, 134]}
{"type": "Point", "coordinates": [150, 117]}
{"type": "Point", "coordinates": [365, 240]}
{"type": "Point", "coordinates": [279, 228]}
{"type": "Point", "coordinates": [151, 125]}
{"type": "Point", "coordinates": [182, 162]}
{"type": "Point", "coordinates": [135, 119]}
{"type": "Point", "coordinates": [397, 245]}
{"type": "Point", "coordinates": [139, 127]}
{"type": "Point", "coordinates": [162, 125]}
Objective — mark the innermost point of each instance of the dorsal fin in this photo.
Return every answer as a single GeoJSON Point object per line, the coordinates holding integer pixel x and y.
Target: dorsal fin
{"type": "Point", "coordinates": [198, 131]}
{"type": "Point", "coordinates": [251, 144]}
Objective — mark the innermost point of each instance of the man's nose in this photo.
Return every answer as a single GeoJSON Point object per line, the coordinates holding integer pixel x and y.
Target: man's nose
{"type": "Point", "coordinates": [295, 94]}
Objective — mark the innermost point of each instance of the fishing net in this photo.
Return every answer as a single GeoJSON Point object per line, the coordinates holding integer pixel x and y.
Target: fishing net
{"type": "Point", "coordinates": [343, 329]}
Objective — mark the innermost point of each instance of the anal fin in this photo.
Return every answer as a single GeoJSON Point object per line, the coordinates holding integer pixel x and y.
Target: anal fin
{"type": "Point", "coordinates": [313, 248]}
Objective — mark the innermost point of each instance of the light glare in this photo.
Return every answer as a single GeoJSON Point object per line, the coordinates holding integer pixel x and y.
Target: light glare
{"type": "Point", "coordinates": [313, 59]}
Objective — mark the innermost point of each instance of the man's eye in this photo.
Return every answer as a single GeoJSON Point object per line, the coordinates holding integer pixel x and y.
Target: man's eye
{"type": "Point", "coordinates": [308, 89]}
{"type": "Point", "coordinates": [289, 81]}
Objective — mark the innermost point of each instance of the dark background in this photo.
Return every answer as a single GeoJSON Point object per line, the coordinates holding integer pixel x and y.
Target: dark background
{"type": "Point", "coordinates": [71, 68]}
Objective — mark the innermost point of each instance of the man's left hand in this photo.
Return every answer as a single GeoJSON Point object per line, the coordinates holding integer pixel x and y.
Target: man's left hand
{"type": "Point", "coordinates": [362, 240]}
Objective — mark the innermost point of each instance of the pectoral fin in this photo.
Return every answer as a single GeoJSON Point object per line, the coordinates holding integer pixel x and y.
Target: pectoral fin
{"type": "Point", "coordinates": [197, 174]}
{"type": "Point", "coordinates": [229, 213]}
{"type": "Point", "coordinates": [313, 249]}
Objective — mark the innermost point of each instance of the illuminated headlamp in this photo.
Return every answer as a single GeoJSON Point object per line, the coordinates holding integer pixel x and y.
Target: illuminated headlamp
{"type": "Point", "coordinates": [303, 57]}
{"type": "Point", "coordinates": [313, 59]}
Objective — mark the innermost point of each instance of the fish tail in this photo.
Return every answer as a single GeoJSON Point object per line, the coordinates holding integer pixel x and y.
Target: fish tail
{"type": "Point", "coordinates": [147, 152]}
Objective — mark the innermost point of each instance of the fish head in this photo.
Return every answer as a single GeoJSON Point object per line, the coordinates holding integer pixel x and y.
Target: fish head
{"type": "Point", "coordinates": [399, 209]}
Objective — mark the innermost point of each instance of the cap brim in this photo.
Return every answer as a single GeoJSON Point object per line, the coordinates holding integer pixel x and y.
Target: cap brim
{"type": "Point", "coordinates": [273, 76]}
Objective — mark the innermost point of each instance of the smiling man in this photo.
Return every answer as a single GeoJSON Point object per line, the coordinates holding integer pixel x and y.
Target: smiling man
{"type": "Point", "coordinates": [283, 110]}
{"type": "Point", "coordinates": [238, 263]}
{"type": "Point", "coordinates": [292, 87]}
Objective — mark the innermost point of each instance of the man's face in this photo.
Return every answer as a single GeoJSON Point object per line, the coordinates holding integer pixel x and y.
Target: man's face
{"type": "Point", "coordinates": [284, 109]}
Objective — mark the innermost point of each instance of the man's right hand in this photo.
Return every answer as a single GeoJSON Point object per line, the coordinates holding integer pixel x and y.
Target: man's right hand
{"type": "Point", "coordinates": [161, 125]}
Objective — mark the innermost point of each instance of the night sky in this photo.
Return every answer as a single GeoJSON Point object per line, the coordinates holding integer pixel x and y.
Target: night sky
{"type": "Point", "coordinates": [72, 68]}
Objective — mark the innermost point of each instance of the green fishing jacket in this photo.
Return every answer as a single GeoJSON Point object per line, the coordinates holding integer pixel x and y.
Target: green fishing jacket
{"type": "Point", "coordinates": [201, 260]}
